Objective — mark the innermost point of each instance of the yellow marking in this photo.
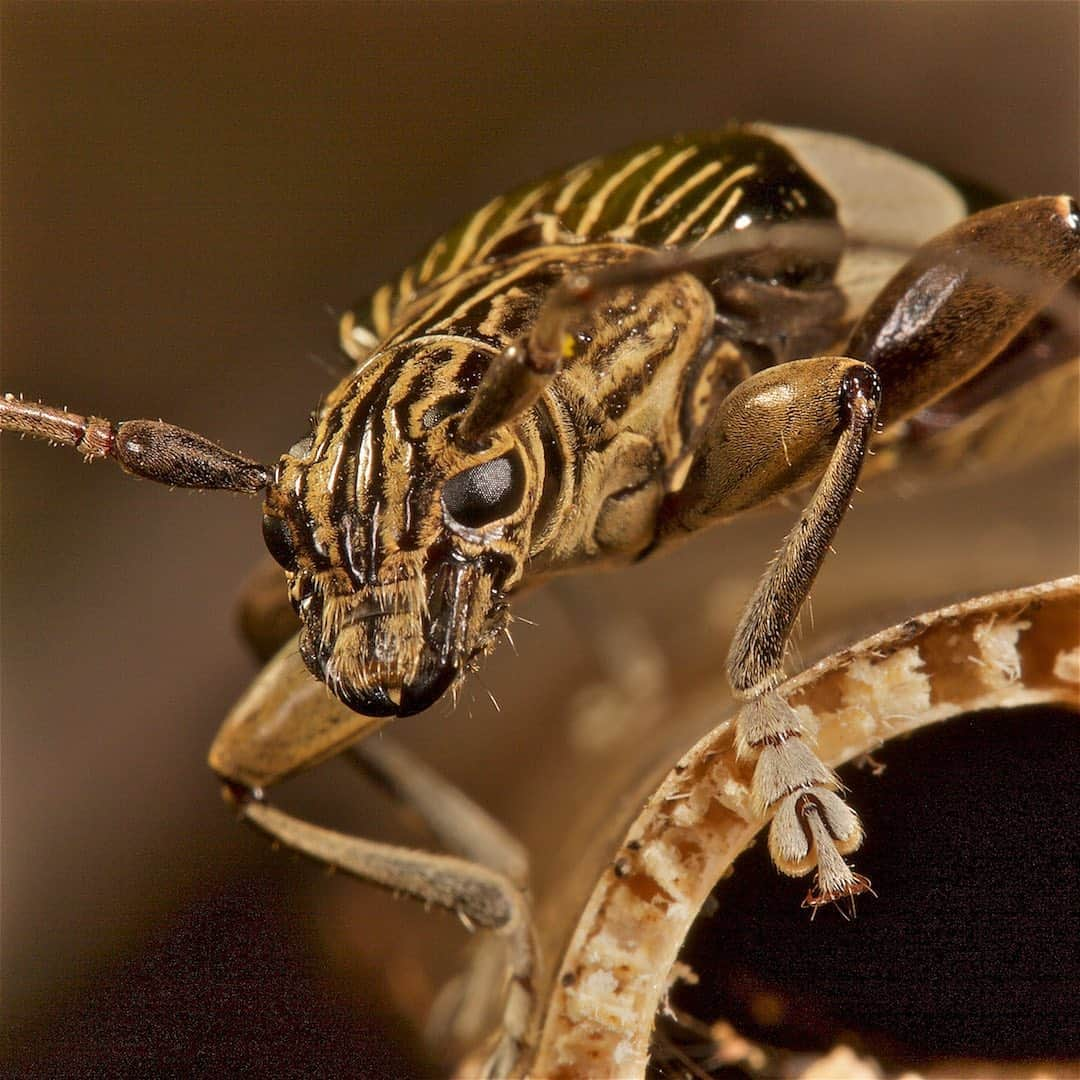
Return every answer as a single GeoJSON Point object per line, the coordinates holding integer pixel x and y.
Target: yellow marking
{"type": "Point", "coordinates": [345, 338]}
{"type": "Point", "coordinates": [380, 310]}
{"type": "Point", "coordinates": [567, 349]}
{"type": "Point", "coordinates": [499, 284]}
{"type": "Point", "coordinates": [363, 465]}
{"type": "Point", "coordinates": [574, 183]}
{"type": "Point", "coordinates": [407, 284]}
{"type": "Point", "coordinates": [514, 217]}
{"type": "Point", "coordinates": [680, 470]}
{"type": "Point", "coordinates": [688, 222]}
{"type": "Point", "coordinates": [595, 205]}
{"type": "Point", "coordinates": [662, 174]}
{"type": "Point", "coordinates": [432, 257]}
{"type": "Point", "coordinates": [526, 204]}
{"type": "Point", "coordinates": [725, 213]}
{"type": "Point", "coordinates": [398, 454]}
{"type": "Point", "coordinates": [355, 338]}
{"type": "Point", "coordinates": [467, 245]}
{"type": "Point", "coordinates": [335, 465]}
{"type": "Point", "coordinates": [699, 177]}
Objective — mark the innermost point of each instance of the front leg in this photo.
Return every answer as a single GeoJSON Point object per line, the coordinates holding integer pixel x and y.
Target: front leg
{"type": "Point", "coordinates": [288, 722]}
{"type": "Point", "coordinates": [768, 436]}
{"type": "Point", "coordinates": [812, 826]}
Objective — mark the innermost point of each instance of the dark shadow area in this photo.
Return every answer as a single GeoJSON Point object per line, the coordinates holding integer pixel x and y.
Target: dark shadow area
{"type": "Point", "coordinates": [199, 1000]}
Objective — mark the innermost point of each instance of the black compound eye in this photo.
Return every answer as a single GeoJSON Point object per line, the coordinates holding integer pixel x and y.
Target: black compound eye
{"type": "Point", "coordinates": [279, 540]}
{"type": "Point", "coordinates": [486, 492]}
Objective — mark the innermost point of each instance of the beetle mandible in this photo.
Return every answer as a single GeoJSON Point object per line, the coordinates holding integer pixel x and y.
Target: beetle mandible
{"type": "Point", "coordinates": [586, 371]}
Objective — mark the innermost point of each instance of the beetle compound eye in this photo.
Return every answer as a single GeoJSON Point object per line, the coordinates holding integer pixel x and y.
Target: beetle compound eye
{"type": "Point", "coordinates": [279, 540]}
{"type": "Point", "coordinates": [486, 492]}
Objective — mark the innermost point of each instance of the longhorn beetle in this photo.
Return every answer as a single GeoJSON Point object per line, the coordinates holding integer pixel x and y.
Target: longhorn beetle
{"type": "Point", "coordinates": [583, 372]}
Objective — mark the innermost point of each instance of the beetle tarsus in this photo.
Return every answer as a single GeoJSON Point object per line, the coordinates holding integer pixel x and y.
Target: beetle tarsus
{"type": "Point", "coordinates": [819, 897]}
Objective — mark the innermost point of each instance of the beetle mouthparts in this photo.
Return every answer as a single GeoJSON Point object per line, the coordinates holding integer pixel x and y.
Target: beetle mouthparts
{"type": "Point", "coordinates": [429, 685]}
{"type": "Point", "coordinates": [397, 696]}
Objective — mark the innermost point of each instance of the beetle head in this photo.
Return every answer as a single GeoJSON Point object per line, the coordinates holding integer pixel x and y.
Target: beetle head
{"type": "Point", "coordinates": [399, 538]}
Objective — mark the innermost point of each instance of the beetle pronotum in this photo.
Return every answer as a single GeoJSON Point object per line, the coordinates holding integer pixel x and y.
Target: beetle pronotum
{"type": "Point", "coordinates": [584, 372]}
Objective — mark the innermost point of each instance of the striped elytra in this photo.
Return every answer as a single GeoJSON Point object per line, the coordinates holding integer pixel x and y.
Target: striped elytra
{"type": "Point", "coordinates": [677, 192]}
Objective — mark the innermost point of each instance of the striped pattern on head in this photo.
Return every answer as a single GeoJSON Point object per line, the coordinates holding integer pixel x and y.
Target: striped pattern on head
{"type": "Point", "coordinates": [388, 589]}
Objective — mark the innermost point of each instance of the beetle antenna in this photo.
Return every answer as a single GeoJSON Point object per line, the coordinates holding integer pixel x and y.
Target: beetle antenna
{"type": "Point", "coordinates": [151, 449]}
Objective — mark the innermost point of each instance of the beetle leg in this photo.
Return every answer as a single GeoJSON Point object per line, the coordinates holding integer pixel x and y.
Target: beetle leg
{"type": "Point", "coordinates": [481, 897]}
{"type": "Point", "coordinates": [811, 826]}
{"type": "Point", "coordinates": [955, 306]}
{"type": "Point", "coordinates": [766, 437]}
{"type": "Point", "coordinates": [772, 434]}
{"type": "Point", "coordinates": [977, 404]}
{"type": "Point", "coordinates": [478, 895]}
{"type": "Point", "coordinates": [266, 617]}
{"type": "Point", "coordinates": [287, 722]}
{"type": "Point", "coordinates": [942, 319]}
{"type": "Point", "coordinates": [461, 827]}
{"type": "Point", "coordinates": [148, 448]}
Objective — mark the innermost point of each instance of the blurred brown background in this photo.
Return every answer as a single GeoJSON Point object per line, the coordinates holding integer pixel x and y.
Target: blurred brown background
{"type": "Point", "coordinates": [189, 193]}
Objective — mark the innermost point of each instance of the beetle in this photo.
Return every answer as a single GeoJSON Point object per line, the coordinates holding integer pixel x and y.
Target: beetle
{"type": "Point", "coordinates": [585, 372]}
